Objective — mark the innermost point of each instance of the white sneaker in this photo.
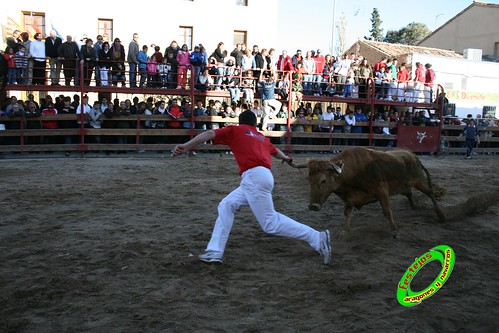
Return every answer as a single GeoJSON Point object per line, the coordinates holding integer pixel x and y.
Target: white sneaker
{"type": "Point", "coordinates": [325, 246]}
{"type": "Point", "coordinates": [212, 257]}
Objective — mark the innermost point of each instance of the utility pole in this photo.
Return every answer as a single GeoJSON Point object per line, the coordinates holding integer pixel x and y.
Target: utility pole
{"type": "Point", "coordinates": [334, 27]}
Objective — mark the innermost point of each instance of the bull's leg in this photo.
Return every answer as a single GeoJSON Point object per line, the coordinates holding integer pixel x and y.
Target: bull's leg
{"type": "Point", "coordinates": [423, 187]}
{"type": "Point", "coordinates": [347, 214]}
{"type": "Point", "coordinates": [408, 194]}
{"type": "Point", "coordinates": [384, 201]}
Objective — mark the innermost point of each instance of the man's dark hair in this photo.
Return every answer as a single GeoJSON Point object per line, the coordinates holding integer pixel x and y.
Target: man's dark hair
{"type": "Point", "coordinates": [247, 117]}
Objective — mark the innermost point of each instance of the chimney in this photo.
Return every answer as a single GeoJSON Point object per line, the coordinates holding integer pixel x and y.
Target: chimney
{"type": "Point", "coordinates": [473, 54]}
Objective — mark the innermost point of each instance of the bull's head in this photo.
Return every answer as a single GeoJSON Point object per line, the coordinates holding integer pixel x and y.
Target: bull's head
{"type": "Point", "coordinates": [322, 176]}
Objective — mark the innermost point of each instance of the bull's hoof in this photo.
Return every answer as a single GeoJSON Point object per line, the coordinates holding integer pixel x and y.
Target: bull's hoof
{"type": "Point", "coordinates": [340, 235]}
{"type": "Point", "coordinates": [395, 234]}
{"type": "Point", "coordinates": [314, 207]}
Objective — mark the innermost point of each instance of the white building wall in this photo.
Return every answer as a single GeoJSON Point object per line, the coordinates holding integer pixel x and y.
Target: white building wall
{"type": "Point", "coordinates": [157, 22]}
{"type": "Point", "coordinates": [471, 85]}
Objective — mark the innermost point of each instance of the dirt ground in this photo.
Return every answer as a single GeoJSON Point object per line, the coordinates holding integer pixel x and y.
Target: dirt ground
{"type": "Point", "coordinates": [110, 245]}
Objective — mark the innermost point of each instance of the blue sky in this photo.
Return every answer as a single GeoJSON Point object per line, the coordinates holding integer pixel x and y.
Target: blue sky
{"type": "Point", "coordinates": [308, 24]}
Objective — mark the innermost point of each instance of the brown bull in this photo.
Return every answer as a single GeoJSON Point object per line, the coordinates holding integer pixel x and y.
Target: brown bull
{"type": "Point", "coordinates": [360, 176]}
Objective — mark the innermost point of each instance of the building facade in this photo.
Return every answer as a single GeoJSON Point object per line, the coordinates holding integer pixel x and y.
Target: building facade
{"type": "Point", "coordinates": [191, 22]}
{"type": "Point", "coordinates": [475, 27]}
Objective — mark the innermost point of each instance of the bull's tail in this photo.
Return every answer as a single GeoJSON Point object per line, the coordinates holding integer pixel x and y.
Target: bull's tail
{"type": "Point", "coordinates": [438, 191]}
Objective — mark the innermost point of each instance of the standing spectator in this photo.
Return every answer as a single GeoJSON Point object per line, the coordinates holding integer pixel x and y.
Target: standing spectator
{"type": "Point", "coordinates": [248, 87]}
{"type": "Point", "coordinates": [402, 77]}
{"type": "Point", "coordinates": [308, 75]}
{"type": "Point", "coordinates": [133, 62]}
{"type": "Point", "coordinates": [157, 53]}
{"type": "Point", "coordinates": [184, 60]}
{"type": "Point", "coordinates": [419, 83]}
{"type": "Point", "coordinates": [118, 57]}
{"type": "Point", "coordinates": [320, 63]}
{"type": "Point", "coordinates": [52, 44]}
{"type": "Point", "coordinates": [365, 72]}
{"type": "Point", "coordinates": [10, 57]}
{"type": "Point", "coordinates": [37, 50]}
{"type": "Point", "coordinates": [21, 65]}
{"type": "Point", "coordinates": [105, 63]}
{"type": "Point", "coordinates": [284, 63]}
{"type": "Point", "coordinates": [471, 137]}
{"type": "Point", "coordinates": [68, 54]}
{"type": "Point", "coordinates": [235, 54]}
{"type": "Point", "coordinates": [429, 78]}
{"type": "Point", "coordinates": [152, 72]}
{"type": "Point", "coordinates": [142, 60]}
{"type": "Point", "coordinates": [98, 47]}
{"type": "Point", "coordinates": [173, 48]}
{"type": "Point", "coordinates": [27, 46]}
{"type": "Point", "coordinates": [247, 61]}
{"type": "Point", "coordinates": [88, 61]}
{"type": "Point", "coordinates": [173, 63]}
{"type": "Point", "coordinates": [297, 58]}
{"type": "Point", "coordinates": [163, 69]}
{"type": "Point", "coordinates": [197, 61]}
{"type": "Point", "coordinates": [14, 41]}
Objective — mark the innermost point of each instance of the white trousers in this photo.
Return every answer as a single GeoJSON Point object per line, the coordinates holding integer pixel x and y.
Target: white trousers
{"type": "Point", "coordinates": [255, 191]}
{"type": "Point", "coordinates": [271, 108]}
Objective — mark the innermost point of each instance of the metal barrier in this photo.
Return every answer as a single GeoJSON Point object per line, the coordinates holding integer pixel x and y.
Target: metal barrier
{"type": "Point", "coordinates": [18, 138]}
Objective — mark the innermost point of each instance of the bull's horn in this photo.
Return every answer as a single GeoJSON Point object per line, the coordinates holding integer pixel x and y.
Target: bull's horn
{"type": "Point", "coordinates": [298, 166]}
{"type": "Point", "coordinates": [335, 168]}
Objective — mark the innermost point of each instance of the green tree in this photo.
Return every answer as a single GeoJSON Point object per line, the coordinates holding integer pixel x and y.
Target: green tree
{"type": "Point", "coordinates": [376, 30]}
{"type": "Point", "coordinates": [412, 34]}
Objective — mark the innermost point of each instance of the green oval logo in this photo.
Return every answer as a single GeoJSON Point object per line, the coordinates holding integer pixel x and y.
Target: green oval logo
{"type": "Point", "coordinates": [445, 255]}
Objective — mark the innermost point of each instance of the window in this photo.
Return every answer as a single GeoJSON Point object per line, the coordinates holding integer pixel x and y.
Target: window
{"type": "Point", "coordinates": [185, 36]}
{"type": "Point", "coordinates": [240, 37]}
{"type": "Point", "coordinates": [105, 28]}
{"type": "Point", "coordinates": [242, 3]}
{"type": "Point", "coordinates": [34, 22]}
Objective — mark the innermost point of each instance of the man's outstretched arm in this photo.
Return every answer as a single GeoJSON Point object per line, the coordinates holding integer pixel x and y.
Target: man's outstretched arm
{"type": "Point", "coordinates": [200, 138]}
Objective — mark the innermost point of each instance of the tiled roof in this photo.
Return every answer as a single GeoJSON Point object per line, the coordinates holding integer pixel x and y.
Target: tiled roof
{"type": "Point", "coordinates": [399, 49]}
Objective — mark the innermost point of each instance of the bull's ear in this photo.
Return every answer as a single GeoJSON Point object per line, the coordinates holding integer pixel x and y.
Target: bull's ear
{"type": "Point", "coordinates": [337, 167]}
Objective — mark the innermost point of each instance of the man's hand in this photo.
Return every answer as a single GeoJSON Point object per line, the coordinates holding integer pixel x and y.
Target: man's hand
{"type": "Point", "coordinates": [178, 150]}
{"type": "Point", "coordinates": [288, 159]}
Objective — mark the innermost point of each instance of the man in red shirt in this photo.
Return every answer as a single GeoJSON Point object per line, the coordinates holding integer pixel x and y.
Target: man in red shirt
{"type": "Point", "coordinates": [402, 77]}
{"type": "Point", "coordinates": [252, 152]}
{"type": "Point", "coordinates": [419, 81]}
{"type": "Point", "coordinates": [429, 78]}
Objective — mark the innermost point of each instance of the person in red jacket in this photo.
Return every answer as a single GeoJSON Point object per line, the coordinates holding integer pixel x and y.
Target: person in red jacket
{"type": "Point", "coordinates": [49, 124]}
{"type": "Point", "coordinates": [428, 83]}
{"type": "Point", "coordinates": [419, 80]}
{"type": "Point", "coordinates": [402, 77]}
{"type": "Point", "coordinates": [284, 63]}
{"type": "Point", "coordinates": [252, 151]}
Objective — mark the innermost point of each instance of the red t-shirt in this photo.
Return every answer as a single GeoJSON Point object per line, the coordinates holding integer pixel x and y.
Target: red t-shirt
{"type": "Point", "coordinates": [250, 147]}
